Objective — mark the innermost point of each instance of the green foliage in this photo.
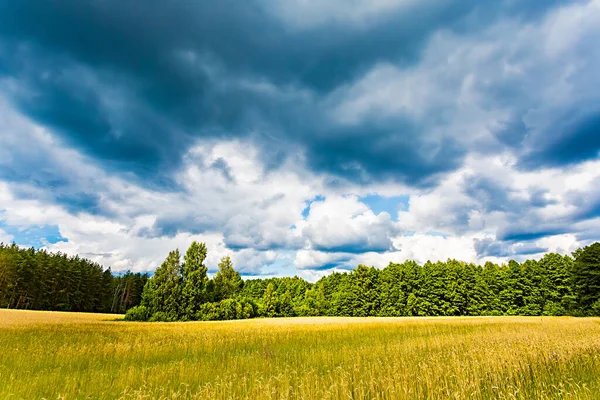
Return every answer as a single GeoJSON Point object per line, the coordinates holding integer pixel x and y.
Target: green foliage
{"type": "Point", "coordinates": [228, 281]}
{"type": "Point", "coordinates": [38, 280]}
{"type": "Point", "coordinates": [586, 278]}
{"type": "Point", "coordinates": [182, 291]}
{"type": "Point", "coordinates": [227, 309]}
{"type": "Point", "coordinates": [595, 308]}
{"type": "Point", "coordinates": [163, 292]}
{"type": "Point", "coordinates": [161, 316]}
{"type": "Point", "coordinates": [137, 313]}
{"type": "Point", "coordinates": [195, 279]}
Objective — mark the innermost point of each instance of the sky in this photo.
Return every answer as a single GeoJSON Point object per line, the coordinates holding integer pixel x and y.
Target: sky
{"type": "Point", "coordinates": [301, 136]}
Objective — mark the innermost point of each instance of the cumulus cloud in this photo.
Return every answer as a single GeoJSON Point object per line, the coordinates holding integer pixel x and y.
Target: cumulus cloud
{"type": "Point", "coordinates": [301, 136]}
{"type": "Point", "coordinates": [133, 227]}
{"type": "Point", "coordinates": [117, 244]}
{"type": "Point", "coordinates": [344, 224]}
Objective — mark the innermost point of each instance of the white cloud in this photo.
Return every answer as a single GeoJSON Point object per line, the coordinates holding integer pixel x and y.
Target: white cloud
{"type": "Point", "coordinates": [565, 28]}
{"type": "Point", "coordinates": [465, 87]}
{"type": "Point", "coordinates": [116, 244]}
{"type": "Point", "coordinates": [263, 210]}
{"type": "Point", "coordinates": [471, 88]}
{"type": "Point", "coordinates": [343, 222]}
{"type": "Point", "coordinates": [417, 247]}
{"type": "Point", "coordinates": [564, 244]}
{"type": "Point", "coordinates": [5, 237]}
{"type": "Point", "coordinates": [123, 234]}
{"type": "Point", "coordinates": [422, 248]}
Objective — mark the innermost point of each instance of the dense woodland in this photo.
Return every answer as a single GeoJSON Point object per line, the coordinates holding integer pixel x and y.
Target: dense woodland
{"type": "Point", "coordinates": [180, 289]}
{"type": "Point", "coordinates": [554, 285]}
{"type": "Point", "coordinates": [37, 280]}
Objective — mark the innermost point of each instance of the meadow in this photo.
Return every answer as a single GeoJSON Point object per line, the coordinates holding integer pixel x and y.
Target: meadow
{"type": "Point", "coordinates": [76, 355]}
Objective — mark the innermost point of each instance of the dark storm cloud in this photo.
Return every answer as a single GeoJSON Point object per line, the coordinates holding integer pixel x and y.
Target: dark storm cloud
{"type": "Point", "coordinates": [385, 150]}
{"type": "Point", "coordinates": [573, 139]}
{"type": "Point", "coordinates": [135, 83]}
{"type": "Point", "coordinates": [529, 232]}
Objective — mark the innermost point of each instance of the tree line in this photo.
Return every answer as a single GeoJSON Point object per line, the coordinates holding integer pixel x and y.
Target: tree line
{"type": "Point", "coordinates": [38, 280]}
{"type": "Point", "coordinates": [180, 289]}
{"type": "Point", "coordinates": [554, 285]}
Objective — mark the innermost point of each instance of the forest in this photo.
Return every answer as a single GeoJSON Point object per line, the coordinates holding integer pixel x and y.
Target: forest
{"type": "Point", "coordinates": [38, 280]}
{"type": "Point", "coordinates": [181, 290]}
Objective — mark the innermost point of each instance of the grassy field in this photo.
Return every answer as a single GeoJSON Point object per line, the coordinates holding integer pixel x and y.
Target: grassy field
{"type": "Point", "coordinates": [69, 355]}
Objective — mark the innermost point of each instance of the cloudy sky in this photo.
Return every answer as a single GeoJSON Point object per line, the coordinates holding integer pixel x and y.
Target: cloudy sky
{"type": "Point", "coordinates": [300, 136]}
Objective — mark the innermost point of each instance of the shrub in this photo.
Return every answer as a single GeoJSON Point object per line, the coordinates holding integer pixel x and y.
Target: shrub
{"type": "Point", "coordinates": [249, 309]}
{"type": "Point", "coordinates": [595, 310]}
{"type": "Point", "coordinates": [554, 309]}
{"type": "Point", "coordinates": [160, 316]}
{"type": "Point", "coordinates": [229, 309]}
{"type": "Point", "coordinates": [208, 312]}
{"type": "Point", "coordinates": [226, 310]}
{"type": "Point", "coordinates": [137, 313]}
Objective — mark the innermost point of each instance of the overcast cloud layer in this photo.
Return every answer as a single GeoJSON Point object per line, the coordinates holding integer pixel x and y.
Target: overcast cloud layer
{"type": "Point", "coordinates": [300, 136]}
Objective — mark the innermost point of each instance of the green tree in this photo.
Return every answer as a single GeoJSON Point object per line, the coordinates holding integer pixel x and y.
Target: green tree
{"type": "Point", "coordinates": [490, 287]}
{"type": "Point", "coordinates": [38, 279]}
{"type": "Point", "coordinates": [162, 293]}
{"type": "Point", "coordinates": [359, 295]}
{"type": "Point", "coordinates": [7, 277]}
{"type": "Point", "coordinates": [392, 291]}
{"type": "Point", "coordinates": [586, 278]}
{"type": "Point", "coordinates": [228, 281]}
{"type": "Point", "coordinates": [557, 284]}
{"type": "Point", "coordinates": [269, 302]}
{"type": "Point", "coordinates": [195, 279]}
{"type": "Point", "coordinates": [513, 293]}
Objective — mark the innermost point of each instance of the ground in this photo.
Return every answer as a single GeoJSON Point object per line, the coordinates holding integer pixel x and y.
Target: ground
{"type": "Point", "coordinates": [76, 355]}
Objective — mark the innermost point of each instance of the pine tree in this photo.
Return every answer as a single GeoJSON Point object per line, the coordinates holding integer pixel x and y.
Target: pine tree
{"type": "Point", "coordinates": [586, 278]}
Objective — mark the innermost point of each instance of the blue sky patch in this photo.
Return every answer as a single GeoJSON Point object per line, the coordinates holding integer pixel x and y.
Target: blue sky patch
{"type": "Point", "coordinates": [390, 205]}
{"type": "Point", "coordinates": [34, 236]}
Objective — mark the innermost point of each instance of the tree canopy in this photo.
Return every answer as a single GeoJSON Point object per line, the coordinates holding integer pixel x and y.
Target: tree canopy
{"type": "Point", "coordinates": [181, 290]}
{"type": "Point", "coordinates": [39, 280]}
{"type": "Point", "coordinates": [553, 285]}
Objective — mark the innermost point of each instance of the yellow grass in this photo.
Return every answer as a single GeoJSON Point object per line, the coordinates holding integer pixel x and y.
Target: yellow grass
{"type": "Point", "coordinates": [71, 355]}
